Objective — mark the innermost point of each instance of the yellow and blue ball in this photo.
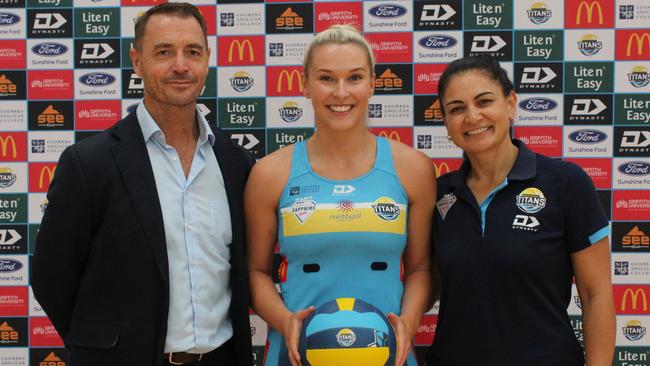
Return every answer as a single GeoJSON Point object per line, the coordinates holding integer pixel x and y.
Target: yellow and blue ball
{"type": "Point", "coordinates": [347, 332]}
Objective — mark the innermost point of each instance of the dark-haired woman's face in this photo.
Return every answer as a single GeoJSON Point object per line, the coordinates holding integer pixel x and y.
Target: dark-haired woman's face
{"type": "Point", "coordinates": [477, 114]}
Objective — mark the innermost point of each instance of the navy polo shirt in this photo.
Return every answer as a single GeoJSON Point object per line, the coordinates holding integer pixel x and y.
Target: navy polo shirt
{"type": "Point", "coordinates": [505, 264]}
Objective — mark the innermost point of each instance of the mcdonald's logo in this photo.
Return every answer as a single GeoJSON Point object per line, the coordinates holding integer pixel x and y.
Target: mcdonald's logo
{"type": "Point", "coordinates": [441, 168]}
{"type": "Point", "coordinates": [7, 142]}
{"type": "Point", "coordinates": [393, 135]}
{"type": "Point", "coordinates": [589, 8]}
{"type": "Point", "coordinates": [634, 296]}
{"type": "Point", "coordinates": [45, 171]}
{"type": "Point", "coordinates": [639, 41]}
{"type": "Point", "coordinates": [241, 47]}
{"type": "Point", "coordinates": [290, 77]}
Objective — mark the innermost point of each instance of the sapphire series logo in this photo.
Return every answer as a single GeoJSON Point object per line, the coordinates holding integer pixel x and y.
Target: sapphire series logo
{"type": "Point", "coordinates": [588, 136]}
{"type": "Point", "coordinates": [49, 49]}
{"type": "Point", "coordinates": [387, 11]}
{"type": "Point", "coordinates": [97, 79]}
{"type": "Point", "coordinates": [538, 105]}
{"type": "Point", "coordinates": [437, 42]}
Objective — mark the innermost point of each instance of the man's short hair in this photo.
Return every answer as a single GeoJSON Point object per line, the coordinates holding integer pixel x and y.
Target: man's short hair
{"type": "Point", "coordinates": [183, 10]}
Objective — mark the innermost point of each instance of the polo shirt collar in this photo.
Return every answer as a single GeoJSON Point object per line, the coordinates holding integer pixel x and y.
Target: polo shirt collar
{"type": "Point", "coordinates": [525, 166]}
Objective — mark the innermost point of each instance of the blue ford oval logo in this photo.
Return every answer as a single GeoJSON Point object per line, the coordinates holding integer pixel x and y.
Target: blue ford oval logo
{"type": "Point", "coordinates": [50, 49]}
{"type": "Point", "coordinates": [387, 11]}
{"type": "Point", "coordinates": [97, 79]}
{"type": "Point", "coordinates": [10, 265]}
{"type": "Point", "coordinates": [587, 136]}
{"type": "Point", "coordinates": [7, 19]}
{"type": "Point", "coordinates": [537, 105]}
{"type": "Point", "coordinates": [436, 42]}
{"type": "Point", "coordinates": [634, 168]}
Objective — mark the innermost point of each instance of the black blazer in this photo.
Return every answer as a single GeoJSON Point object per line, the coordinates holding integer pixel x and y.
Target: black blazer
{"type": "Point", "coordinates": [100, 267]}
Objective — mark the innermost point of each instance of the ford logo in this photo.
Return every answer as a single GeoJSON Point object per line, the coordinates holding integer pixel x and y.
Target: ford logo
{"type": "Point", "coordinates": [7, 19]}
{"type": "Point", "coordinates": [588, 136]}
{"type": "Point", "coordinates": [634, 168]}
{"type": "Point", "coordinates": [10, 265]}
{"type": "Point", "coordinates": [50, 49]}
{"type": "Point", "coordinates": [387, 11]}
{"type": "Point", "coordinates": [97, 79]}
{"type": "Point", "coordinates": [537, 105]}
{"type": "Point", "coordinates": [437, 42]}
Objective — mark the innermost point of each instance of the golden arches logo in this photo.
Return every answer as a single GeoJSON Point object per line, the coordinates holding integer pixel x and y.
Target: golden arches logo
{"type": "Point", "coordinates": [241, 47]}
{"type": "Point", "coordinates": [393, 135]}
{"type": "Point", "coordinates": [4, 145]}
{"type": "Point", "coordinates": [590, 11]}
{"type": "Point", "coordinates": [634, 296]}
{"type": "Point", "coordinates": [639, 43]}
{"type": "Point", "coordinates": [41, 176]}
{"type": "Point", "coordinates": [442, 168]}
{"type": "Point", "coordinates": [289, 77]}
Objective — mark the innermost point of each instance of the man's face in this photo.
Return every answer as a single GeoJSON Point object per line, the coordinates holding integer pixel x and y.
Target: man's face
{"type": "Point", "coordinates": [172, 60]}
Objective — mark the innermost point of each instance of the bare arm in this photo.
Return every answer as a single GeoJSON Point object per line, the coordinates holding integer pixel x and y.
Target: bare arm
{"type": "Point", "coordinates": [592, 272]}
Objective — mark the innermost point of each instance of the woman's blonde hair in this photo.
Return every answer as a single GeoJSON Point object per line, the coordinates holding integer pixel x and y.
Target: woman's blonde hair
{"type": "Point", "coordinates": [339, 34]}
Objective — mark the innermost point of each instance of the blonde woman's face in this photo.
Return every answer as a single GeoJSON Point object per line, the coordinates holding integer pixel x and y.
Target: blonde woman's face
{"type": "Point", "coordinates": [339, 83]}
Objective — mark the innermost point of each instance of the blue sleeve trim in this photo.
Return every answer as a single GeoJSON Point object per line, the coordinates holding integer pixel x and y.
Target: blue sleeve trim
{"type": "Point", "coordinates": [599, 234]}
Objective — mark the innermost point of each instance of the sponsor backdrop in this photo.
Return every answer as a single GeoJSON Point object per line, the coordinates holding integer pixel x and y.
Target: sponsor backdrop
{"type": "Point", "coordinates": [581, 69]}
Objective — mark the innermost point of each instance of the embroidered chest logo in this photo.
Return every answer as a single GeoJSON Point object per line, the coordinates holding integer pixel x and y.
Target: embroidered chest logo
{"type": "Point", "coordinates": [445, 203]}
{"type": "Point", "coordinates": [531, 200]}
{"type": "Point", "coordinates": [527, 223]}
{"type": "Point", "coordinates": [386, 209]}
{"type": "Point", "coordinates": [302, 208]}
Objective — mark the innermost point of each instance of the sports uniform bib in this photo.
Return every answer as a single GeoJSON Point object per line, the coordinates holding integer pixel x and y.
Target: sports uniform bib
{"type": "Point", "coordinates": [340, 238]}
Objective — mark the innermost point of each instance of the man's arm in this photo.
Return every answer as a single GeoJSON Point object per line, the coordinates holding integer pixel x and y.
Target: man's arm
{"type": "Point", "coordinates": [63, 242]}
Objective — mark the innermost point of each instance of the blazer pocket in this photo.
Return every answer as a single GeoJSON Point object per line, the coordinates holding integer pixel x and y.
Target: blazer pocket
{"type": "Point", "coordinates": [92, 335]}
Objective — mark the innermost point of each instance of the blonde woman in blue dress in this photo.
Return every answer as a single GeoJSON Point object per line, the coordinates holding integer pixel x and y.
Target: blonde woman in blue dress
{"type": "Point", "coordinates": [351, 212]}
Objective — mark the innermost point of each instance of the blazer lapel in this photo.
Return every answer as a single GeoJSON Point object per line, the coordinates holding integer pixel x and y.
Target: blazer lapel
{"type": "Point", "coordinates": [134, 164]}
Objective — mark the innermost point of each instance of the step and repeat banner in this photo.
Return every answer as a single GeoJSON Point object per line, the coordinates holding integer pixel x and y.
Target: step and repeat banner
{"type": "Point", "coordinates": [581, 69]}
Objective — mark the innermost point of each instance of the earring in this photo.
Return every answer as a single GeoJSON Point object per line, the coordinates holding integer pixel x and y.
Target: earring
{"type": "Point", "coordinates": [449, 138]}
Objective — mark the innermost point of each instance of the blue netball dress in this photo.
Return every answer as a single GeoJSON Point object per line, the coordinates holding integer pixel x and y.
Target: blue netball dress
{"type": "Point", "coordinates": [340, 238]}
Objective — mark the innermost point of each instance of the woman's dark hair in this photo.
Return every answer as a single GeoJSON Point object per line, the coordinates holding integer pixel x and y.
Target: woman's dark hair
{"type": "Point", "coordinates": [485, 64]}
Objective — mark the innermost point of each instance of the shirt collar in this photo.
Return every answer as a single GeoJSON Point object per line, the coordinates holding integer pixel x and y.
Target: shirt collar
{"type": "Point", "coordinates": [525, 166]}
{"type": "Point", "coordinates": [150, 127]}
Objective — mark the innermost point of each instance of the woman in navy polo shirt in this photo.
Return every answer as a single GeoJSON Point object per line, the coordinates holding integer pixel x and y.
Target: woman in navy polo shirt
{"type": "Point", "coordinates": [512, 228]}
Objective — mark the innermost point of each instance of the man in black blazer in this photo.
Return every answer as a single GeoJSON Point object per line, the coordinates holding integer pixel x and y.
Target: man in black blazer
{"type": "Point", "coordinates": [139, 259]}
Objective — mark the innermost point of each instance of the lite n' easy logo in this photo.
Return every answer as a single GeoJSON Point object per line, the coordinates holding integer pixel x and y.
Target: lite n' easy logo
{"type": "Point", "coordinates": [488, 14]}
{"type": "Point", "coordinates": [97, 22]}
{"type": "Point", "coordinates": [239, 51]}
{"type": "Point", "coordinates": [589, 14]}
